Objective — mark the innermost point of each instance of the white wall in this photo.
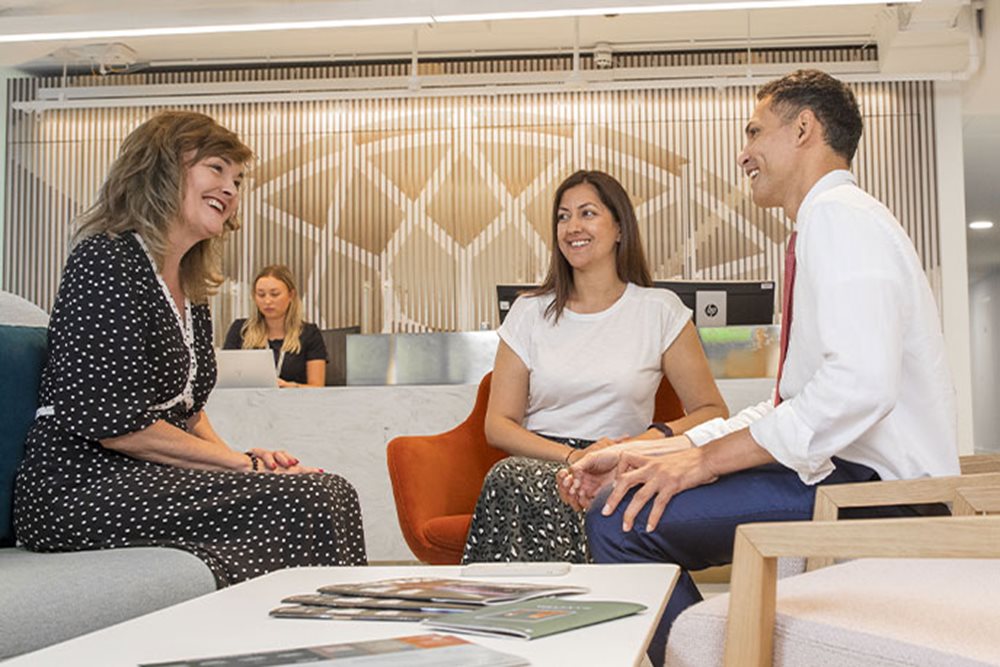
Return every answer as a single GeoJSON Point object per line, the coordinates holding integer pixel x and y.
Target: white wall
{"type": "Point", "coordinates": [984, 312]}
{"type": "Point", "coordinates": [4, 75]}
{"type": "Point", "coordinates": [981, 135]}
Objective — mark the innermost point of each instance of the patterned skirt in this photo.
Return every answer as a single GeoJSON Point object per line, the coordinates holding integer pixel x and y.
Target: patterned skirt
{"type": "Point", "coordinates": [520, 517]}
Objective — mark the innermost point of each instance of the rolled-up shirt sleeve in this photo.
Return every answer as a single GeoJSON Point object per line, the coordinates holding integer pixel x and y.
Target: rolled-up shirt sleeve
{"type": "Point", "coordinates": [714, 429]}
{"type": "Point", "coordinates": [848, 267]}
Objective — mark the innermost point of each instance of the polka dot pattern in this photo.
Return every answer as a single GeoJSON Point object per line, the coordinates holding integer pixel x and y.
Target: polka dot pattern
{"type": "Point", "coordinates": [120, 358]}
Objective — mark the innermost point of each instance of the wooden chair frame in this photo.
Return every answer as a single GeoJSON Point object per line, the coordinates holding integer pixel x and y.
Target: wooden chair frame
{"type": "Point", "coordinates": [750, 626]}
{"type": "Point", "coordinates": [970, 501]}
{"type": "Point", "coordinates": [974, 464]}
{"type": "Point", "coordinates": [831, 498]}
{"type": "Point", "coordinates": [749, 638]}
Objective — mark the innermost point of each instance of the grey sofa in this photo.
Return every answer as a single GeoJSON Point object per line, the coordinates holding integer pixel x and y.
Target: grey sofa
{"type": "Point", "coordinates": [50, 597]}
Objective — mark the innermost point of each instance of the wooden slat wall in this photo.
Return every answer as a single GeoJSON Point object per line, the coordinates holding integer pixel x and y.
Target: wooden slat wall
{"type": "Point", "coordinates": [402, 215]}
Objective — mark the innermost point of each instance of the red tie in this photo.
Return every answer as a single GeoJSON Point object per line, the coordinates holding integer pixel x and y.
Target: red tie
{"type": "Point", "coordinates": [786, 311]}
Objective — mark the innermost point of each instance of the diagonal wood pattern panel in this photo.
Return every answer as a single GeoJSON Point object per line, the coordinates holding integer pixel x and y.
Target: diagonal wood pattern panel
{"type": "Point", "coordinates": [403, 214]}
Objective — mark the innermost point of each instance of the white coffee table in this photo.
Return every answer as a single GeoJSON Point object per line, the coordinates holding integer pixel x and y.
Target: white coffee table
{"type": "Point", "coordinates": [234, 620]}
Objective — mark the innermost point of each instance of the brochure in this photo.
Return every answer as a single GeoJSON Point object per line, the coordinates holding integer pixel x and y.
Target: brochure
{"type": "Point", "coordinates": [531, 619]}
{"type": "Point", "coordinates": [352, 613]}
{"type": "Point", "coordinates": [413, 651]}
{"type": "Point", "coordinates": [450, 590]}
{"type": "Point", "coordinates": [326, 600]}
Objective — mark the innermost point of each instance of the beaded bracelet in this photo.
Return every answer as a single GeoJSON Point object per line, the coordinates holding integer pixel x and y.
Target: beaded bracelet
{"type": "Point", "coordinates": [254, 461]}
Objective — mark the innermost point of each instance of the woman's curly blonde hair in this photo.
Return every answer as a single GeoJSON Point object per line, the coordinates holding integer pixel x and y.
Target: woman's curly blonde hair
{"type": "Point", "coordinates": [145, 187]}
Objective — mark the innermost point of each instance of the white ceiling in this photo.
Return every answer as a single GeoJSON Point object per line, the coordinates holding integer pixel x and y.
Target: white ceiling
{"type": "Point", "coordinates": [688, 30]}
{"type": "Point", "coordinates": [918, 47]}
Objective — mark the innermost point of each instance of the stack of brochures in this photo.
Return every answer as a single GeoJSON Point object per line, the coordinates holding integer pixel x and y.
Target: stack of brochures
{"type": "Point", "coordinates": [527, 611]}
{"type": "Point", "coordinates": [412, 651]}
{"type": "Point", "coordinates": [410, 599]}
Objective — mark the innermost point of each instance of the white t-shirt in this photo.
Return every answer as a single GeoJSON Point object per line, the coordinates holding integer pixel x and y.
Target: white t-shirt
{"type": "Point", "coordinates": [594, 375]}
{"type": "Point", "coordinates": [866, 377]}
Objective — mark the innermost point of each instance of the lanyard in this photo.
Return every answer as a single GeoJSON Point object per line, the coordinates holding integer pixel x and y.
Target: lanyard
{"type": "Point", "coordinates": [281, 360]}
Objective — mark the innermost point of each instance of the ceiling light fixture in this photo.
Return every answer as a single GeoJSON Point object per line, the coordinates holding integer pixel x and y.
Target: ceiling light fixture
{"type": "Point", "coordinates": [710, 6]}
{"type": "Point", "coordinates": [584, 9]}
{"type": "Point", "coordinates": [981, 224]}
{"type": "Point", "coordinates": [211, 29]}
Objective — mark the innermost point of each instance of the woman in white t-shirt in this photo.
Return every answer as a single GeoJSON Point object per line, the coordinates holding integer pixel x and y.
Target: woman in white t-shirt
{"type": "Point", "coordinates": [577, 368]}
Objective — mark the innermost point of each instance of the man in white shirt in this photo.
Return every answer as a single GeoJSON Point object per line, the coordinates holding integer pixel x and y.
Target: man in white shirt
{"type": "Point", "coordinates": [864, 392]}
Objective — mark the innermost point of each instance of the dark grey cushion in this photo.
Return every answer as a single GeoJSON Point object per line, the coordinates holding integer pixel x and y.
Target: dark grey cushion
{"type": "Point", "coordinates": [48, 598]}
{"type": "Point", "coordinates": [22, 357]}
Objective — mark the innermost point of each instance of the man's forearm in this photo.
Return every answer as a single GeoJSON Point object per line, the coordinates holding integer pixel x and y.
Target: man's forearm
{"type": "Point", "coordinates": [651, 447]}
{"type": "Point", "coordinates": [734, 452]}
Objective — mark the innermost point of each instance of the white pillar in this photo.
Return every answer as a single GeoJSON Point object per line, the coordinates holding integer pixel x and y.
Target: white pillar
{"type": "Point", "coordinates": [954, 266]}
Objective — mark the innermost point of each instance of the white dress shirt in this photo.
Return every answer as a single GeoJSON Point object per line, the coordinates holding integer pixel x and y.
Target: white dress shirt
{"type": "Point", "coordinates": [865, 378]}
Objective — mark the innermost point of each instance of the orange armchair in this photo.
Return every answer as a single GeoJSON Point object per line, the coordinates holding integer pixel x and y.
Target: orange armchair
{"type": "Point", "coordinates": [436, 479]}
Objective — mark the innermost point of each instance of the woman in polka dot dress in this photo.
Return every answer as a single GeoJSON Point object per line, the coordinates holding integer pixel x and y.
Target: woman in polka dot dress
{"type": "Point", "coordinates": [121, 453]}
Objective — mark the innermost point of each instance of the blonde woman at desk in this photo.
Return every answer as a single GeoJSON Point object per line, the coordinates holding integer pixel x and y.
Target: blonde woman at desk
{"type": "Point", "coordinates": [299, 351]}
{"type": "Point", "coordinates": [577, 367]}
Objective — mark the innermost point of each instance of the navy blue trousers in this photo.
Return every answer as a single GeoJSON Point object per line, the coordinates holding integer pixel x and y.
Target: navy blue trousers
{"type": "Point", "coordinates": [698, 527]}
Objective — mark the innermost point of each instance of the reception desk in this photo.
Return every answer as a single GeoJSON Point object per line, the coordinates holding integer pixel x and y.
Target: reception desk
{"type": "Point", "coordinates": [346, 429]}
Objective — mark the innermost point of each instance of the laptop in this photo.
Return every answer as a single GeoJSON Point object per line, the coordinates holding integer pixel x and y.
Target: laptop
{"type": "Point", "coordinates": [245, 369]}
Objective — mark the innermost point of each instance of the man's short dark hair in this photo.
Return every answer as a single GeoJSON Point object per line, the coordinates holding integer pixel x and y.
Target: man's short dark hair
{"type": "Point", "coordinates": [833, 103]}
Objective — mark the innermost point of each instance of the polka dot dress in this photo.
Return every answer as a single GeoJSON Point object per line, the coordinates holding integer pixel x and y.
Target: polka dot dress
{"type": "Point", "coordinates": [118, 361]}
{"type": "Point", "coordinates": [520, 517]}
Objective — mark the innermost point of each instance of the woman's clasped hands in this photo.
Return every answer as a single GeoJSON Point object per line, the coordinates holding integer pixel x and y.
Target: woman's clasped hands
{"type": "Point", "coordinates": [278, 462]}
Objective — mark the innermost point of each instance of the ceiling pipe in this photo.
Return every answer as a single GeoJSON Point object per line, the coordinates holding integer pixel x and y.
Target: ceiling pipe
{"type": "Point", "coordinates": [414, 83]}
{"type": "Point", "coordinates": [575, 78]}
{"type": "Point", "coordinates": [811, 41]}
{"type": "Point", "coordinates": [975, 42]}
{"type": "Point", "coordinates": [476, 90]}
{"type": "Point", "coordinates": [504, 81]}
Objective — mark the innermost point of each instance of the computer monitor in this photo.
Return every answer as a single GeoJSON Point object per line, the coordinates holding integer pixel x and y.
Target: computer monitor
{"type": "Point", "coordinates": [725, 303]}
{"type": "Point", "coordinates": [506, 295]}
{"type": "Point", "coordinates": [717, 303]}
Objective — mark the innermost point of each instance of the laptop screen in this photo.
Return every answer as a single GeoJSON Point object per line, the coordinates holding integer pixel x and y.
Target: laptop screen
{"type": "Point", "coordinates": [245, 369]}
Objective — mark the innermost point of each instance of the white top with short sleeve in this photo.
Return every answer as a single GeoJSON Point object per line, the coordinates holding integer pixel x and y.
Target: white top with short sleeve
{"type": "Point", "coordinates": [866, 378]}
{"type": "Point", "coordinates": [594, 375]}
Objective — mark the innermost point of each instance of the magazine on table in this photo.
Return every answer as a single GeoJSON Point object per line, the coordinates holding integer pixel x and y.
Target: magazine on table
{"type": "Point", "coordinates": [330, 600]}
{"type": "Point", "coordinates": [437, 589]}
{"type": "Point", "coordinates": [530, 619]}
{"type": "Point", "coordinates": [412, 651]}
{"type": "Point", "coordinates": [352, 613]}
